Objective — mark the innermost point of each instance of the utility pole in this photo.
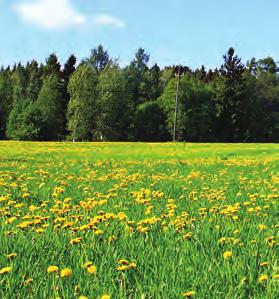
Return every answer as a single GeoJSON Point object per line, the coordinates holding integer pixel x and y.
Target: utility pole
{"type": "Point", "coordinates": [179, 72]}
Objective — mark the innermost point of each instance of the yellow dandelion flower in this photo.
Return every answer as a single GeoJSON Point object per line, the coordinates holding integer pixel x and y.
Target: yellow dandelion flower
{"type": "Point", "coordinates": [87, 264]}
{"type": "Point", "coordinates": [11, 255]}
{"type": "Point", "coordinates": [189, 294]}
{"type": "Point", "coordinates": [123, 262]}
{"type": "Point", "coordinates": [261, 227]}
{"type": "Point", "coordinates": [263, 264]}
{"type": "Point", "coordinates": [5, 270]}
{"type": "Point", "coordinates": [105, 297]}
{"type": "Point", "coordinates": [92, 269]}
{"type": "Point", "coordinates": [28, 281]}
{"type": "Point", "coordinates": [75, 241]}
{"type": "Point", "coordinates": [132, 265]}
{"type": "Point", "coordinates": [52, 269]}
{"type": "Point", "coordinates": [227, 254]}
{"type": "Point", "coordinates": [99, 232]}
{"type": "Point", "coordinates": [263, 278]}
{"type": "Point", "coordinates": [122, 268]}
{"type": "Point", "coordinates": [188, 236]}
{"type": "Point", "coordinates": [66, 273]}
{"type": "Point", "coordinates": [82, 297]}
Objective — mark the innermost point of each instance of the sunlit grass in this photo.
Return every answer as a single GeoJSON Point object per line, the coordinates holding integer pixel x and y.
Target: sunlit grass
{"type": "Point", "coordinates": [138, 220]}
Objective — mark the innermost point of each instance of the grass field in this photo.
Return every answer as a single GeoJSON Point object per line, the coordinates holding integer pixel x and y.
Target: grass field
{"type": "Point", "coordinates": [138, 220]}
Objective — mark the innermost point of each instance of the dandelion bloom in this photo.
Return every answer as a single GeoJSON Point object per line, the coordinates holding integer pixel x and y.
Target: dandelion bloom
{"type": "Point", "coordinates": [75, 241]}
{"type": "Point", "coordinates": [87, 264]}
{"type": "Point", "coordinates": [263, 278]}
{"type": "Point", "coordinates": [5, 270]}
{"type": "Point", "coordinates": [11, 255]}
{"type": "Point", "coordinates": [188, 236]}
{"type": "Point", "coordinates": [66, 273]}
{"type": "Point", "coordinates": [188, 294]}
{"type": "Point", "coordinates": [99, 232]}
{"type": "Point", "coordinates": [133, 265]}
{"type": "Point", "coordinates": [263, 264]}
{"type": "Point", "coordinates": [123, 262]}
{"type": "Point", "coordinates": [52, 269]}
{"type": "Point", "coordinates": [28, 281]}
{"type": "Point", "coordinates": [261, 227]}
{"type": "Point", "coordinates": [82, 297]}
{"type": "Point", "coordinates": [105, 297]}
{"type": "Point", "coordinates": [122, 268]}
{"type": "Point", "coordinates": [92, 269]}
{"type": "Point", "coordinates": [227, 254]}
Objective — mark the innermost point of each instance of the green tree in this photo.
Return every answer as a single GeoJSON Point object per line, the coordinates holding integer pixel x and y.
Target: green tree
{"type": "Point", "coordinates": [39, 120]}
{"type": "Point", "coordinates": [196, 109]}
{"type": "Point", "coordinates": [232, 102]}
{"type": "Point", "coordinates": [136, 75]}
{"type": "Point", "coordinates": [150, 123]}
{"type": "Point", "coordinates": [99, 58]}
{"type": "Point", "coordinates": [49, 103]}
{"type": "Point", "coordinates": [68, 70]}
{"type": "Point", "coordinates": [6, 100]}
{"type": "Point", "coordinates": [83, 106]}
{"type": "Point", "coordinates": [115, 113]}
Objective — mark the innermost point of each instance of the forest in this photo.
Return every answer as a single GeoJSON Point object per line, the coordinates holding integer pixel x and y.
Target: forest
{"type": "Point", "coordinates": [99, 100]}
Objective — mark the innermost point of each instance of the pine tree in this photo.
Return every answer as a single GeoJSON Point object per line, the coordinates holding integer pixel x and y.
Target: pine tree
{"type": "Point", "coordinates": [232, 103]}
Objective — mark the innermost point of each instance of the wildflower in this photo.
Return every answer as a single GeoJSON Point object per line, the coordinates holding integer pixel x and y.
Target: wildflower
{"type": "Point", "coordinates": [82, 297]}
{"type": "Point", "coordinates": [187, 236]}
{"type": "Point", "coordinates": [6, 270]}
{"type": "Point", "coordinates": [66, 273]}
{"type": "Point", "coordinates": [227, 254]}
{"type": "Point", "coordinates": [75, 241]}
{"type": "Point", "coordinates": [52, 269]}
{"type": "Point", "coordinates": [188, 294]}
{"type": "Point", "coordinates": [28, 281]}
{"type": "Point", "coordinates": [11, 255]}
{"type": "Point", "coordinates": [122, 268]}
{"type": "Point", "coordinates": [99, 232]}
{"type": "Point", "coordinates": [87, 264]}
{"type": "Point", "coordinates": [263, 264]}
{"type": "Point", "coordinates": [263, 278]}
{"type": "Point", "coordinates": [261, 227]}
{"type": "Point", "coordinates": [133, 265]}
{"type": "Point", "coordinates": [105, 297]}
{"type": "Point", "coordinates": [123, 262]}
{"type": "Point", "coordinates": [92, 269]}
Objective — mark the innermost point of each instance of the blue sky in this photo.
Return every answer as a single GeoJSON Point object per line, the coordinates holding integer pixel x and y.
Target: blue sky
{"type": "Point", "coordinates": [192, 32]}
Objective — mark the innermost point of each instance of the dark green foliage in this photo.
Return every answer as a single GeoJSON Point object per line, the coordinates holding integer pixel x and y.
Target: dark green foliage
{"type": "Point", "coordinates": [6, 100]}
{"type": "Point", "coordinates": [150, 123]}
{"type": "Point", "coordinates": [99, 100]}
{"type": "Point", "coordinates": [83, 106]}
{"type": "Point", "coordinates": [40, 120]}
{"type": "Point", "coordinates": [196, 111]}
{"type": "Point", "coordinates": [233, 104]}
{"type": "Point", "coordinates": [115, 118]}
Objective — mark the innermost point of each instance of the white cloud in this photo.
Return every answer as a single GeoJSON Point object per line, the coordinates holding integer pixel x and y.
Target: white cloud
{"type": "Point", "coordinates": [104, 19]}
{"type": "Point", "coordinates": [50, 14]}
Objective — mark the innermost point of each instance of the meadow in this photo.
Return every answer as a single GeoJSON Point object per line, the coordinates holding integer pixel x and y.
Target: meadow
{"type": "Point", "coordinates": [138, 220]}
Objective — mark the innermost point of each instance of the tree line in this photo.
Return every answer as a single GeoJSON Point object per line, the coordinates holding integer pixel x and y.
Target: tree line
{"type": "Point", "coordinates": [99, 100]}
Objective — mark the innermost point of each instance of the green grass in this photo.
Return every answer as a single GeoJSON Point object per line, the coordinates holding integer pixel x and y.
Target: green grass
{"type": "Point", "coordinates": [173, 209]}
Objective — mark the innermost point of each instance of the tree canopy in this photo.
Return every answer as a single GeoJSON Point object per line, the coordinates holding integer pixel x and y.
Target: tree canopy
{"type": "Point", "coordinates": [99, 100]}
